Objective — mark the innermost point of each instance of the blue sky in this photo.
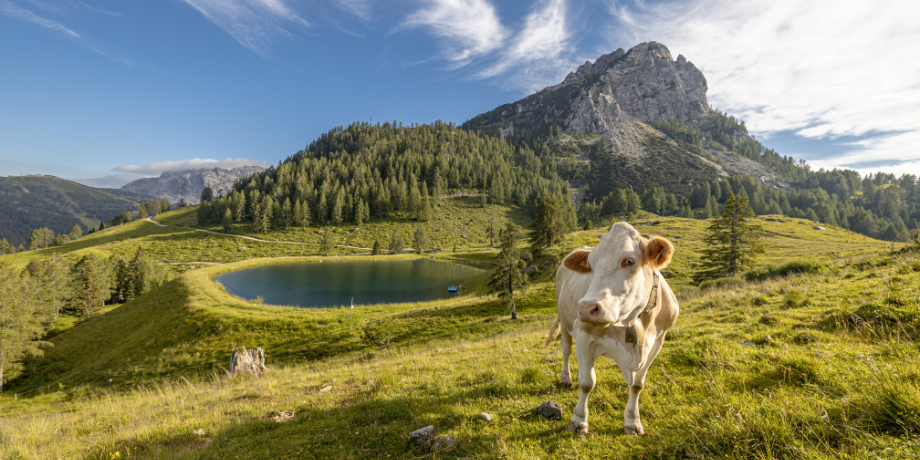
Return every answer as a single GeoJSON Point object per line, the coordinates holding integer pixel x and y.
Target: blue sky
{"type": "Point", "coordinates": [109, 91]}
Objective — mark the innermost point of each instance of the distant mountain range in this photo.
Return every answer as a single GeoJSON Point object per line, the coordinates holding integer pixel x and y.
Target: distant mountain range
{"type": "Point", "coordinates": [30, 202]}
{"type": "Point", "coordinates": [188, 184]}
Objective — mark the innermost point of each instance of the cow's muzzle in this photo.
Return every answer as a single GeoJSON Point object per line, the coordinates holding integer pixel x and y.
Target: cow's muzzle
{"type": "Point", "coordinates": [590, 311]}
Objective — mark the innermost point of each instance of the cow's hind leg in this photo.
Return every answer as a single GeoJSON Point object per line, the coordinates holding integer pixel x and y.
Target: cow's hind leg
{"type": "Point", "coordinates": [631, 423]}
{"type": "Point", "coordinates": [566, 351]}
{"type": "Point", "coordinates": [584, 351]}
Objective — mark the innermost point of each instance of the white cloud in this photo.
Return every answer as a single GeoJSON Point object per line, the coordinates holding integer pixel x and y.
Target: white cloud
{"type": "Point", "coordinates": [359, 8]}
{"type": "Point", "coordinates": [253, 23]}
{"type": "Point", "coordinates": [468, 28]}
{"type": "Point", "coordinates": [540, 51]}
{"type": "Point", "coordinates": [7, 8]}
{"type": "Point", "coordinates": [157, 168]}
{"type": "Point", "coordinates": [822, 68]}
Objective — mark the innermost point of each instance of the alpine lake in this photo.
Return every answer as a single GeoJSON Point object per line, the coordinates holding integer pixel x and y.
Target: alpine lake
{"type": "Point", "coordinates": [339, 283]}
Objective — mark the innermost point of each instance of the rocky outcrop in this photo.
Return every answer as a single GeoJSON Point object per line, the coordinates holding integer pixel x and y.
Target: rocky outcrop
{"type": "Point", "coordinates": [643, 84]}
{"type": "Point", "coordinates": [187, 185]}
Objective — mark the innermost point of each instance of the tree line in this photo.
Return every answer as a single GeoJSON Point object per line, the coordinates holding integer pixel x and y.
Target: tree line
{"type": "Point", "coordinates": [36, 296]}
{"type": "Point", "coordinates": [362, 171]}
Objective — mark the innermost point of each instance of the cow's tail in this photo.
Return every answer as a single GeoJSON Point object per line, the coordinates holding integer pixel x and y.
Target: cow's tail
{"type": "Point", "coordinates": [553, 332]}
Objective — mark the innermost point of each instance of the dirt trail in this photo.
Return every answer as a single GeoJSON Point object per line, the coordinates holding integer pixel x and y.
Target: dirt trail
{"type": "Point", "coordinates": [158, 224]}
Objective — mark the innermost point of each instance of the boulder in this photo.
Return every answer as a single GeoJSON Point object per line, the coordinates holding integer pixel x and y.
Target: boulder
{"type": "Point", "coordinates": [818, 227]}
{"type": "Point", "coordinates": [423, 437]}
{"type": "Point", "coordinates": [485, 416]}
{"type": "Point", "coordinates": [247, 361]}
{"type": "Point", "coordinates": [550, 410]}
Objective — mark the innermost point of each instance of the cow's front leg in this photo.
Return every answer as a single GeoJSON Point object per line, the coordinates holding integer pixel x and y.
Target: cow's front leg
{"type": "Point", "coordinates": [566, 351]}
{"type": "Point", "coordinates": [631, 423]}
{"type": "Point", "coordinates": [584, 351]}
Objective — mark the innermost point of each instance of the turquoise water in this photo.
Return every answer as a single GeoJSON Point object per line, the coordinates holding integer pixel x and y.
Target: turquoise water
{"type": "Point", "coordinates": [333, 284]}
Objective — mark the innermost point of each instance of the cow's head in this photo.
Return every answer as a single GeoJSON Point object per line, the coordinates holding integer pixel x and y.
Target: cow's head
{"type": "Point", "coordinates": [622, 267]}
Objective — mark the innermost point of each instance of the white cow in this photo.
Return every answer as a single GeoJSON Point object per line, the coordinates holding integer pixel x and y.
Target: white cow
{"type": "Point", "coordinates": [614, 302]}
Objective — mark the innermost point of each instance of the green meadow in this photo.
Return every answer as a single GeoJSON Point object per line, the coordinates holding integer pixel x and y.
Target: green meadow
{"type": "Point", "coordinates": [814, 356]}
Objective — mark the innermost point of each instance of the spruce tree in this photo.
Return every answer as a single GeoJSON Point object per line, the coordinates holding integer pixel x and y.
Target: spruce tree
{"type": "Point", "coordinates": [207, 195]}
{"type": "Point", "coordinates": [142, 211]}
{"type": "Point", "coordinates": [420, 239]}
{"type": "Point", "coordinates": [509, 274]}
{"type": "Point", "coordinates": [327, 243]}
{"type": "Point", "coordinates": [297, 212]}
{"type": "Point", "coordinates": [164, 205]}
{"type": "Point", "coordinates": [550, 225]}
{"type": "Point", "coordinates": [227, 221]}
{"type": "Point", "coordinates": [140, 274]}
{"type": "Point", "coordinates": [286, 215]}
{"type": "Point", "coordinates": [359, 212]}
{"type": "Point", "coordinates": [396, 243]}
{"type": "Point", "coordinates": [304, 216]}
{"type": "Point", "coordinates": [732, 242]}
{"type": "Point", "coordinates": [376, 250]}
{"type": "Point", "coordinates": [22, 322]}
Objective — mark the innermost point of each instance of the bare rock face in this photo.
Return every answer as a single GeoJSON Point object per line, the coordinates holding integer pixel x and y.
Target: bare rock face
{"type": "Point", "coordinates": [247, 361]}
{"type": "Point", "coordinates": [187, 185]}
{"type": "Point", "coordinates": [643, 84]}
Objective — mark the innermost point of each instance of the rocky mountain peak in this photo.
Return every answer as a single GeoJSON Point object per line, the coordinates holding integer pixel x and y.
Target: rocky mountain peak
{"type": "Point", "coordinates": [188, 184]}
{"type": "Point", "coordinates": [642, 84]}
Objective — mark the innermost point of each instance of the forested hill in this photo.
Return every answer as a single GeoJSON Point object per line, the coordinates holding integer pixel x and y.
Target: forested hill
{"type": "Point", "coordinates": [363, 171]}
{"type": "Point", "coordinates": [30, 202]}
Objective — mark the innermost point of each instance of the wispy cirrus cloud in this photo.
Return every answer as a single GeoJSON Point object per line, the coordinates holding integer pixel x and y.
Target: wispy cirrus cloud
{"type": "Point", "coordinates": [540, 53]}
{"type": "Point", "coordinates": [7, 8]}
{"type": "Point", "coordinates": [361, 9]}
{"type": "Point", "coordinates": [821, 69]}
{"type": "Point", "coordinates": [468, 28]}
{"type": "Point", "coordinates": [252, 23]}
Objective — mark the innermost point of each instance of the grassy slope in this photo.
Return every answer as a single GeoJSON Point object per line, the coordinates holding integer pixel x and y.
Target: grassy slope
{"type": "Point", "coordinates": [706, 394]}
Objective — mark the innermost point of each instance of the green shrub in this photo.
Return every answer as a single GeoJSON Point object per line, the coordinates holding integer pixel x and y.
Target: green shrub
{"type": "Point", "coordinates": [777, 271]}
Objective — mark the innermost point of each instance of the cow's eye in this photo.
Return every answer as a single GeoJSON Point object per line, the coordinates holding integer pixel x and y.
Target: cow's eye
{"type": "Point", "coordinates": [628, 262]}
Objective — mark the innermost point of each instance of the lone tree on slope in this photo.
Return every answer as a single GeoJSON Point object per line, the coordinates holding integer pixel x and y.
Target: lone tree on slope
{"type": "Point", "coordinates": [732, 242]}
{"type": "Point", "coordinates": [508, 275]}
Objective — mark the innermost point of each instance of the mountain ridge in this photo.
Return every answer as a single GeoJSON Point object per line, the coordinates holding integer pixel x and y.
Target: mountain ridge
{"type": "Point", "coordinates": [187, 184]}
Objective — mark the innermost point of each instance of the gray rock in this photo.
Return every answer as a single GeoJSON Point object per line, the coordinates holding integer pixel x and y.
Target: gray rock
{"type": "Point", "coordinates": [486, 417]}
{"type": "Point", "coordinates": [247, 361]}
{"type": "Point", "coordinates": [284, 416]}
{"type": "Point", "coordinates": [550, 410]}
{"type": "Point", "coordinates": [188, 184]}
{"type": "Point", "coordinates": [423, 437]}
{"type": "Point", "coordinates": [445, 443]}
{"type": "Point", "coordinates": [818, 227]}
{"type": "Point", "coordinates": [748, 344]}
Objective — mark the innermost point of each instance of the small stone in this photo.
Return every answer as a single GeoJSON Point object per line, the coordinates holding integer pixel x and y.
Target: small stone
{"type": "Point", "coordinates": [284, 416]}
{"type": "Point", "coordinates": [326, 387]}
{"type": "Point", "coordinates": [486, 417]}
{"type": "Point", "coordinates": [748, 344]}
{"type": "Point", "coordinates": [445, 443]}
{"type": "Point", "coordinates": [423, 437]}
{"type": "Point", "coordinates": [200, 432]}
{"type": "Point", "coordinates": [768, 338]}
{"type": "Point", "coordinates": [550, 410]}
{"type": "Point", "coordinates": [818, 227]}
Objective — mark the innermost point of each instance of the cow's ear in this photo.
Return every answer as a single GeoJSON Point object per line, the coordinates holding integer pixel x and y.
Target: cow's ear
{"type": "Point", "coordinates": [658, 252]}
{"type": "Point", "coordinates": [577, 261]}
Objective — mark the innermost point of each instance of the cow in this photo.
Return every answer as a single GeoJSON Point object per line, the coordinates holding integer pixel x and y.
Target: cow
{"type": "Point", "coordinates": [614, 302]}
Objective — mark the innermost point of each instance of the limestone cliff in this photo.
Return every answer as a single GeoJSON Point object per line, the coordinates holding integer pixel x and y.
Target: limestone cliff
{"type": "Point", "coordinates": [188, 184]}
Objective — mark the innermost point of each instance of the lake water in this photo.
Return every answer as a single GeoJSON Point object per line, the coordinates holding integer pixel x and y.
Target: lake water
{"type": "Point", "coordinates": [333, 284]}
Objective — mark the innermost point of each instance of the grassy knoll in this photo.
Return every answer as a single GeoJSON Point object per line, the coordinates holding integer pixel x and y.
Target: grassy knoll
{"type": "Point", "coordinates": [832, 371]}
{"type": "Point", "coordinates": [831, 374]}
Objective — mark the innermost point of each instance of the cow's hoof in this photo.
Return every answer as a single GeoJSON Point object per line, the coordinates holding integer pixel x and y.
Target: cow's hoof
{"type": "Point", "coordinates": [634, 430]}
{"type": "Point", "coordinates": [578, 427]}
{"type": "Point", "coordinates": [567, 383]}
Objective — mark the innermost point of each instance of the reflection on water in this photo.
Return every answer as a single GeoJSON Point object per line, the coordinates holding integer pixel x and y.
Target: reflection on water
{"type": "Point", "coordinates": [332, 284]}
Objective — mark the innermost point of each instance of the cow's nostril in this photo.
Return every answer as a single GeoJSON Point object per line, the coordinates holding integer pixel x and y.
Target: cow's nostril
{"type": "Point", "coordinates": [594, 311]}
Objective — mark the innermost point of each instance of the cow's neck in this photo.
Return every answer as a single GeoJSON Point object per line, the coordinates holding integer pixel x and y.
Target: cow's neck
{"type": "Point", "coordinates": [636, 331]}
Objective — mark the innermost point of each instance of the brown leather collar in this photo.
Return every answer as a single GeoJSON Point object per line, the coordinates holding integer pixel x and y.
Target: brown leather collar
{"type": "Point", "coordinates": [654, 298]}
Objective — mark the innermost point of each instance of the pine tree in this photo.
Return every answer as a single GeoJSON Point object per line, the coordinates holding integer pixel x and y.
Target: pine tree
{"type": "Point", "coordinates": [321, 211]}
{"type": "Point", "coordinates": [22, 322]}
{"type": "Point", "coordinates": [139, 271]}
{"type": "Point", "coordinates": [305, 216]}
{"type": "Point", "coordinates": [164, 205]}
{"type": "Point", "coordinates": [634, 203]}
{"type": "Point", "coordinates": [415, 199]}
{"type": "Point", "coordinates": [227, 221]}
{"type": "Point", "coordinates": [509, 274]}
{"type": "Point", "coordinates": [327, 243]}
{"type": "Point", "coordinates": [424, 209]}
{"type": "Point", "coordinates": [335, 214]}
{"type": "Point", "coordinates": [732, 242]}
{"type": "Point", "coordinates": [286, 213]}
{"type": "Point", "coordinates": [265, 220]}
{"type": "Point", "coordinates": [142, 211]}
{"type": "Point", "coordinates": [207, 195]}
{"type": "Point", "coordinates": [89, 288]}
{"type": "Point", "coordinates": [549, 226]}
{"type": "Point", "coordinates": [396, 243]}
{"type": "Point", "coordinates": [376, 250]}
{"type": "Point", "coordinates": [297, 212]}
{"type": "Point", "coordinates": [359, 212]}
{"type": "Point", "coordinates": [420, 239]}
